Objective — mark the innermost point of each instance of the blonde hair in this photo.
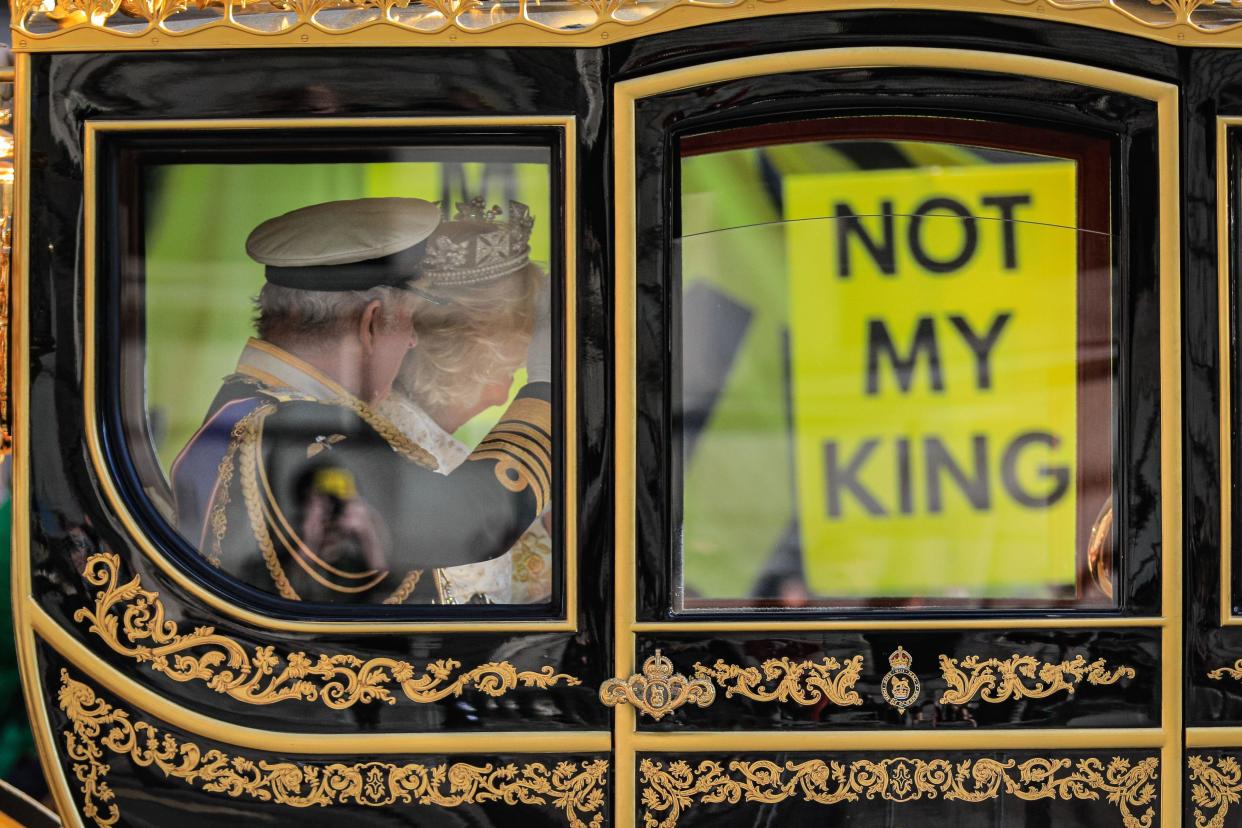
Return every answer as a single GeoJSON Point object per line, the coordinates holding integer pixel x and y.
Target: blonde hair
{"type": "Point", "coordinates": [477, 335]}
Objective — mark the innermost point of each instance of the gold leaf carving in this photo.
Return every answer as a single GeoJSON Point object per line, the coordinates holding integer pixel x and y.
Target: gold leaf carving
{"type": "Point", "coordinates": [1019, 677]}
{"type": "Point", "coordinates": [802, 682]}
{"type": "Point", "coordinates": [1215, 785]}
{"type": "Point", "coordinates": [1205, 19]}
{"type": "Point", "coordinates": [1233, 671]}
{"type": "Point", "coordinates": [657, 690]}
{"type": "Point", "coordinates": [131, 621]}
{"type": "Point", "coordinates": [667, 793]}
{"type": "Point", "coordinates": [96, 726]}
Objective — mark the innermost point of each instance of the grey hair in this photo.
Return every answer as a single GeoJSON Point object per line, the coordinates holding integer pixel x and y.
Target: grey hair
{"type": "Point", "coordinates": [285, 314]}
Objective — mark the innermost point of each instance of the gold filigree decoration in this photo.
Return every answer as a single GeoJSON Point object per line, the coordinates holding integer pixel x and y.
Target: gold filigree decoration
{"type": "Point", "coordinates": [1021, 677]}
{"type": "Point", "coordinates": [1215, 785]}
{"type": "Point", "coordinates": [95, 726]}
{"type": "Point", "coordinates": [132, 622]}
{"type": "Point", "coordinates": [1233, 671]}
{"type": "Point", "coordinates": [668, 793]}
{"type": "Point", "coordinates": [539, 21]}
{"type": "Point", "coordinates": [800, 682]}
{"type": "Point", "coordinates": [657, 690]}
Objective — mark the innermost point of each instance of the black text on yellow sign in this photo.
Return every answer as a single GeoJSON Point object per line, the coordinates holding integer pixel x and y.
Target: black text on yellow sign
{"type": "Point", "coordinates": [934, 378]}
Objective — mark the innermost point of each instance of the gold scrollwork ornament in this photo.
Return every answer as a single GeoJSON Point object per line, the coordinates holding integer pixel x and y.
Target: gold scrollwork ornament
{"type": "Point", "coordinates": [658, 690]}
{"type": "Point", "coordinates": [94, 726]}
{"type": "Point", "coordinates": [801, 682]}
{"type": "Point", "coordinates": [132, 622]}
{"type": "Point", "coordinates": [1233, 671]}
{"type": "Point", "coordinates": [900, 687]}
{"type": "Point", "coordinates": [668, 792]}
{"type": "Point", "coordinates": [1215, 785]}
{"type": "Point", "coordinates": [994, 680]}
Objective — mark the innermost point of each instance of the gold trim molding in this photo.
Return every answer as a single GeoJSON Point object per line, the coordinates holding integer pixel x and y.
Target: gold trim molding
{"type": "Point", "coordinates": [95, 130]}
{"type": "Point", "coordinates": [65, 25]}
{"type": "Point", "coordinates": [131, 621]}
{"type": "Point", "coordinates": [658, 690]}
{"type": "Point", "coordinates": [1215, 785]}
{"type": "Point", "coordinates": [800, 682]}
{"type": "Point", "coordinates": [95, 726]}
{"type": "Point", "coordinates": [995, 680]}
{"type": "Point", "coordinates": [668, 792]}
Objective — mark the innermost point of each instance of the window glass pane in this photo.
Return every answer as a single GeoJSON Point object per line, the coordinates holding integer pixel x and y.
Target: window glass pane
{"type": "Point", "coordinates": [896, 369]}
{"type": "Point", "coordinates": [337, 375]}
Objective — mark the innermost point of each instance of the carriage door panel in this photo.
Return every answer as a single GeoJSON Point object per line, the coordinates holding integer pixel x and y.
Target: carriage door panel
{"type": "Point", "coordinates": [258, 573]}
{"type": "Point", "coordinates": [899, 345]}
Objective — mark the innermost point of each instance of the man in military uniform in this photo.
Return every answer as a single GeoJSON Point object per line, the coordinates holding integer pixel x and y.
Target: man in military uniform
{"type": "Point", "coordinates": [294, 484]}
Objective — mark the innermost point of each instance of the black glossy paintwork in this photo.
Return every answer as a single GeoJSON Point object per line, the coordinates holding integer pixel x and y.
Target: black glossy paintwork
{"type": "Point", "coordinates": [1213, 91]}
{"type": "Point", "coordinates": [70, 518]}
{"type": "Point", "coordinates": [71, 521]}
{"type": "Point", "coordinates": [1129, 703]}
{"type": "Point", "coordinates": [1001, 811]}
{"type": "Point", "coordinates": [148, 798]}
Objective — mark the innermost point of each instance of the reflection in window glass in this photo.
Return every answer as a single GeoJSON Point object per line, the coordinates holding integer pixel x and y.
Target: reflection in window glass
{"type": "Point", "coordinates": [339, 386]}
{"type": "Point", "coordinates": [896, 371]}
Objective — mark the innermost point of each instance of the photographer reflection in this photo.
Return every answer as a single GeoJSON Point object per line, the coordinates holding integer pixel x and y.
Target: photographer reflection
{"type": "Point", "coordinates": [295, 483]}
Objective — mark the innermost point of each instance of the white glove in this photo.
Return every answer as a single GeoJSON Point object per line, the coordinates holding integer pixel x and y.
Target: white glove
{"type": "Point", "coordinates": [539, 353]}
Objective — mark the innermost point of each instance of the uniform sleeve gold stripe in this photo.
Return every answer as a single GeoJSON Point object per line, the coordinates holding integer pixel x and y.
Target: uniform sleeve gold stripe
{"type": "Point", "coordinates": [536, 472]}
{"type": "Point", "coordinates": [514, 475]}
{"type": "Point", "coordinates": [530, 410]}
{"type": "Point", "coordinates": [522, 449]}
{"type": "Point", "coordinates": [530, 433]}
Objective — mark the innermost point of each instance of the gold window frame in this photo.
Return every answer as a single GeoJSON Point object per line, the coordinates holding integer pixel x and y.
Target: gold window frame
{"type": "Point", "coordinates": [568, 620]}
{"type": "Point", "coordinates": [1228, 618]}
{"type": "Point", "coordinates": [629, 740]}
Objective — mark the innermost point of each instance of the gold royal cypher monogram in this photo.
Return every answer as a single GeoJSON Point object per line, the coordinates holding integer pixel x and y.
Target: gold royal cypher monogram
{"type": "Point", "coordinates": [900, 687]}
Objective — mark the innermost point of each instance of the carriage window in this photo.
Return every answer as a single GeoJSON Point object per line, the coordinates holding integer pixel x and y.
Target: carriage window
{"type": "Point", "coordinates": [896, 367]}
{"type": "Point", "coordinates": [337, 372]}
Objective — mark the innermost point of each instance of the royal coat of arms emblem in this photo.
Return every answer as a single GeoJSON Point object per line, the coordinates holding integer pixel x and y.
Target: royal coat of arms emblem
{"type": "Point", "coordinates": [900, 686]}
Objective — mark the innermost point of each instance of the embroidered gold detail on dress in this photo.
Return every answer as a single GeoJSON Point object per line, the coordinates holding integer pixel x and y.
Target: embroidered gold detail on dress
{"type": "Point", "coordinates": [801, 682]}
{"type": "Point", "coordinates": [668, 793]}
{"type": "Point", "coordinates": [1216, 783]}
{"type": "Point", "coordinates": [131, 621]}
{"type": "Point", "coordinates": [1021, 677]}
{"type": "Point", "coordinates": [95, 726]}
{"type": "Point", "coordinates": [657, 690]}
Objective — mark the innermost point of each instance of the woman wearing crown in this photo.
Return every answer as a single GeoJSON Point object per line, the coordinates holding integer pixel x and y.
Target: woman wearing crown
{"type": "Point", "coordinates": [295, 483]}
{"type": "Point", "coordinates": [474, 329]}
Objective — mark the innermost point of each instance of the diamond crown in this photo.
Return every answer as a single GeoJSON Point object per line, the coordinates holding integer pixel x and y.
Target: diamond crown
{"type": "Point", "coordinates": [477, 246]}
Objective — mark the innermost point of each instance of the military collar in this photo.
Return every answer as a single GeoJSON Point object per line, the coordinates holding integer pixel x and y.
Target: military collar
{"type": "Point", "coordinates": [277, 368]}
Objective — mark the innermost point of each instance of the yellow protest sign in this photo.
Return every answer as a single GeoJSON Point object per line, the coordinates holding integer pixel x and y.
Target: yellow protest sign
{"type": "Point", "coordinates": [934, 335]}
